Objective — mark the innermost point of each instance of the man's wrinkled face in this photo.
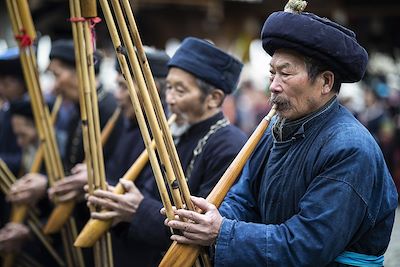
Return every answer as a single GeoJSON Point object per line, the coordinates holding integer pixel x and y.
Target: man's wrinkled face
{"type": "Point", "coordinates": [291, 89]}
{"type": "Point", "coordinates": [184, 97]}
{"type": "Point", "coordinates": [66, 80]}
{"type": "Point", "coordinates": [25, 131]}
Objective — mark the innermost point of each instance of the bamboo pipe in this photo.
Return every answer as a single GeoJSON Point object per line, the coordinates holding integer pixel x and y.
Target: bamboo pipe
{"type": "Point", "coordinates": [177, 167]}
{"type": "Point", "coordinates": [85, 131]}
{"type": "Point", "coordinates": [139, 113]}
{"type": "Point", "coordinates": [63, 211]}
{"type": "Point", "coordinates": [26, 18]}
{"type": "Point", "coordinates": [148, 107]}
{"type": "Point", "coordinates": [103, 249]}
{"type": "Point", "coordinates": [94, 229]}
{"type": "Point", "coordinates": [185, 255]}
{"type": "Point", "coordinates": [16, 26]}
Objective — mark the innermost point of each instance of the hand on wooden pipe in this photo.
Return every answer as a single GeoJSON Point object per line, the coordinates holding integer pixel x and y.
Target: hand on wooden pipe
{"type": "Point", "coordinates": [196, 228]}
{"type": "Point", "coordinates": [13, 236]}
{"type": "Point", "coordinates": [71, 187]}
{"type": "Point", "coordinates": [120, 208]}
{"type": "Point", "coordinates": [28, 189]}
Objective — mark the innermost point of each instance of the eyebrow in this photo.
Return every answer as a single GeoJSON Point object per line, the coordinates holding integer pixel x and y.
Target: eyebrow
{"type": "Point", "coordinates": [281, 66]}
{"type": "Point", "coordinates": [178, 83]}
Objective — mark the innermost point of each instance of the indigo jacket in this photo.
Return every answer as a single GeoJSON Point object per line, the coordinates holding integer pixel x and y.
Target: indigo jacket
{"type": "Point", "coordinates": [304, 201]}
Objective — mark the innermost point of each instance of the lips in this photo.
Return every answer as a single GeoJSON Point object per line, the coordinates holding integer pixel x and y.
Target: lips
{"type": "Point", "coordinates": [281, 102]}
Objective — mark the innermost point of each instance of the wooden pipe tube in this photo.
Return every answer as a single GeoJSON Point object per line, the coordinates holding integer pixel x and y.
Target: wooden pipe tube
{"type": "Point", "coordinates": [59, 216]}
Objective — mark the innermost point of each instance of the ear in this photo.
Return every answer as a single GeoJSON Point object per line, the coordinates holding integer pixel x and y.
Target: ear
{"type": "Point", "coordinates": [327, 81]}
{"type": "Point", "coordinates": [215, 98]}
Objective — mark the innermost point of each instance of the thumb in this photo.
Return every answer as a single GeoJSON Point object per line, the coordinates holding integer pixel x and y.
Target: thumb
{"type": "Point", "coordinates": [201, 203]}
{"type": "Point", "coordinates": [127, 185]}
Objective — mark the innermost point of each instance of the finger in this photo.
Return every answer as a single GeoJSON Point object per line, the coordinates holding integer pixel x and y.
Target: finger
{"type": "Point", "coordinates": [104, 203]}
{"type": "Point", "coordinates": [77, 168]}
{"type": "Point", "coordinates": [201, 203]}
{"type": "Point", "coordinates": [23, 197]}
{"type": "Point", "coordinates": [183, 240]}
{"type": "Point", "coordinates": [64, 189]}
{"type": "Point", "coordinates": [128, 185]}
{"type": "Point", "coordinates": [68, 196]}
{"type": "Point", "coordinates": [184, 226]}
{"type": "Point", "coordinates": [110, 187]}
{"type": "Point", "coordinates": [106, 194]}
{"type": "Point", "coordinates": [107, 215]}
{"type": "Point", "coordinates": [191, 215]}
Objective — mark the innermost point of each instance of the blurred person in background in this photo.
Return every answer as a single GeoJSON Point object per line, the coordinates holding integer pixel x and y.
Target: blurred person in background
{"type": "Point", "coordinates": [199, 77]}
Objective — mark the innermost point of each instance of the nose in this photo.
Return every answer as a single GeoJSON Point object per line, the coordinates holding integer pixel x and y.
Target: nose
{"type": "Point", "coordinates": [170, 97]}
{"type": "Point", "coordinates": [275, 85]}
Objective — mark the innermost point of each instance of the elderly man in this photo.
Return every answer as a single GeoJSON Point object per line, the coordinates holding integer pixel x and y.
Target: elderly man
{"type": "Point", "coordinates": [199, 77]}
{"type": "Point", "coordinates": [316, 192]}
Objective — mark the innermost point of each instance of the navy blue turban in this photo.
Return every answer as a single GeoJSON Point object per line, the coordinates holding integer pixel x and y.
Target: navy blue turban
{"type": "Point", "coordinates": [64, 51]}
{"type": "Point", "coordinates": [332, 44]}
{"type": "Point", "coordinates": [208, 63]}
{"type": "Point", "coordinates": [10, 63]}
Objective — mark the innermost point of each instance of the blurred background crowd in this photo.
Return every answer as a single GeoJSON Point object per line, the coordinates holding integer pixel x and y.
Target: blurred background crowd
{"type": "Point", "coordinates": [235, 27]}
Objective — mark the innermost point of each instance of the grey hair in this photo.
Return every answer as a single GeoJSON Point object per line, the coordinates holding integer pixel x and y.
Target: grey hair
{"type": "Point", "coordinates": [314, 68]}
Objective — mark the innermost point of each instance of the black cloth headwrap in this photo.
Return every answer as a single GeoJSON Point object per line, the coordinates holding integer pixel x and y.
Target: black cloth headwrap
{"type": "Point", "coordinates": [63, 50]}
{"type": "Point", "coordinates": [207, 62]}
{"type": "Point", "coordinates": [318, 38]}
{"type": "Point", "coordinates": [10, 64]}
{"type": "Point", "coordinates": [24, 108]}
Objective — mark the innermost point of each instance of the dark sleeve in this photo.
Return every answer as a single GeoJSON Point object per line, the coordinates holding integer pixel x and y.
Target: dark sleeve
{"type": "Point", "coordinates": [148, 226]}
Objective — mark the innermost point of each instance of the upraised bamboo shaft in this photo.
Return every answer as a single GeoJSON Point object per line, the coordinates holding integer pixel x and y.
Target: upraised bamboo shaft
{"type": "Point", "coordinates": [89, 105]}
{"type": "Point", "coordinates": [148, 106]}
{"type": "Point", "coordinates": [136, 104]}
{"type": "Point", "coordinates": [155, 99]}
